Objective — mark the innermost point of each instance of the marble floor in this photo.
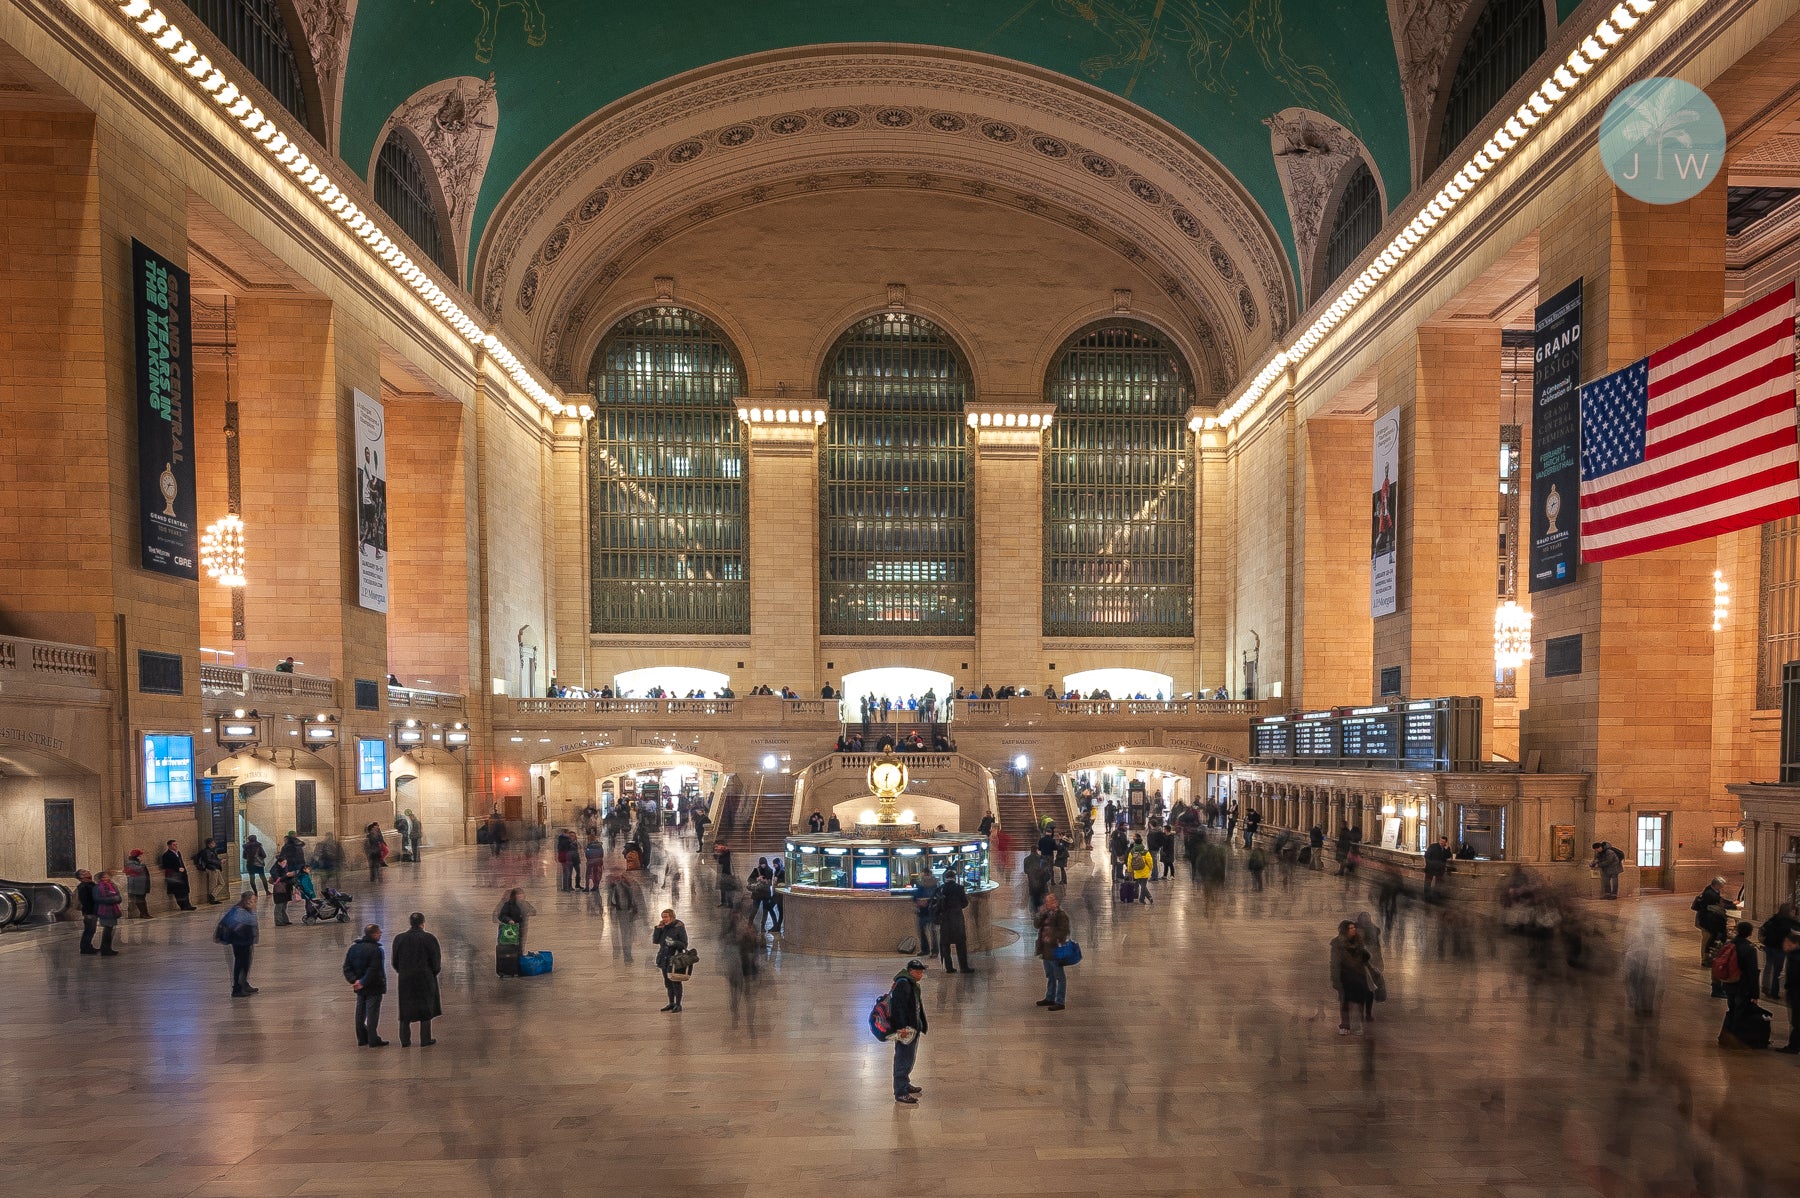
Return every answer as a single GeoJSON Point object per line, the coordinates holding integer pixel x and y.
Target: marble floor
{"type": "Point", "coordinates": [1198, 1055]}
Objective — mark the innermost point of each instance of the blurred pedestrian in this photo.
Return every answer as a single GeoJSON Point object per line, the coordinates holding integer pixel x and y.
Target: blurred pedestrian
{"type": "Point", "coordinates": [108, 905]}
{"type": "Point", "coordinates": [670, 936]}
{"type": "Point", "coordinates": [1711, 914]}
{"type": "Point", "coordinates": [376, 850]}
{"type": "Point", "coordinates": [924, 899]}
{"type": "Point", "coordinates": [513, 914]}
{"type": "Point", "coordinates": [1437, 864]}
{"type": "Point", "coordinates": [417, 963]}
{"type": "Point", "coordinates": [365, 968]}
{"type": "Point", "coordinates": [1052, 930]}
{"type": "Point", "coordinates": [255, 861]}
{"type": "Point", "coordinates": [1140, 865]}
{"type": "Point", "coordinates": [952, 924]}
{"type": "Point", "coordinates": [1774, 934]}
{"type": "Point", "coordinates": [1350, 977]}
{"type": "Point", "coordinates": [1791, 950]}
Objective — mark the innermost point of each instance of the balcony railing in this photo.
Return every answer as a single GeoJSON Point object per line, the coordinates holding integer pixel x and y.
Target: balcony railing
{"type": "Point", "coordinates": [266, 684]}
{"type": "Point", "coordinates": [23, 660]}
{"type": "Point", "coordinates": [409, 696]}
{"type": "Point", "coordinates": [759, 709]}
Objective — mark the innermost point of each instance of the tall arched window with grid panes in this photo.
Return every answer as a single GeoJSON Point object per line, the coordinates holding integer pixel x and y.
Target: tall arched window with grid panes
{"type": "Point", "coordinates": [404, 191]}
{"type": "Point", "coordinates": [1506, 39]}
{"type": "Point", "coordinates": [1354, 224]}
{"type": "Point", "coordinates": [897, 501]}
{"type": "Point", "coordinates": [1119, 487]}
{"type": "Point", "coordinates": [257, 33]}
{"type": "Point", "coordinates": [667, 501]}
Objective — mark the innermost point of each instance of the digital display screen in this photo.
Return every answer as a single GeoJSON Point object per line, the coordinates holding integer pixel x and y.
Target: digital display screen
{"type": "Point", "coordinates": [871, 874]}
{"type": "Point", "coordinates": [168, 770]}
{"type": "Point", "coordinates": [1421, 736]}
{"type": "Point", "coordinates": [1371, 736]}
{"type": "Point", "coordinates": [1313, 738]}
{"type": "Point", "coordinates": [371, 765]}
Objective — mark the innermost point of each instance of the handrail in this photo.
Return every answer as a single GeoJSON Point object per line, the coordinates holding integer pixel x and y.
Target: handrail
{"type": "Point", "coordinates": [229, 680]}
{"type": "Point", "coordinates": [52, 661]}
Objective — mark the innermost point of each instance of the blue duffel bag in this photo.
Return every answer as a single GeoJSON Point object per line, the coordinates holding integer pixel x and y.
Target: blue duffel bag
{"type": "Point", "coordinates": [533, 964]}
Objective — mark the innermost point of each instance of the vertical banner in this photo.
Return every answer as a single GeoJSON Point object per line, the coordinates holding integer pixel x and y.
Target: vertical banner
{"type": "Point", "coordinates": [1556, 441]}
{"type": "Point", "coordinates": [1384, 518]}
{"type": "Point", "coordinates": [167, 524]}
{"type": "Point", "coordinates": [371, 504]}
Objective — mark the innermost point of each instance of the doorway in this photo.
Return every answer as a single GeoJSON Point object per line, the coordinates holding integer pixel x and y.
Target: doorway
{"type": "Point", "coordinates": [1653, 850]}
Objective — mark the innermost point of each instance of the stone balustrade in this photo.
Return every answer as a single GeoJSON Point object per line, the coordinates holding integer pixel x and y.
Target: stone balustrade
{"type": "Point", "coordinates": [762, 710]}
{"type": "Point", "coordinates": [265, 685]}
{"type": "Point", "coordinates": [412, 697]}
{"type": "Point", "coordinates": [23, 660]}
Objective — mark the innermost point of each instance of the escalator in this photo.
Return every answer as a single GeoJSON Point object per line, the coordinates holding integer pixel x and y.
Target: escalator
{"type": "Point", "coordinates": [32, 904]}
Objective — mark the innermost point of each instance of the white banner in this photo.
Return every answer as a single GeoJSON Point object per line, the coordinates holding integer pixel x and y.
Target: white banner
{"type": "Point", "coordinates": [371, 505]}
{"type": "Point", "coordinates": [1384, 518]}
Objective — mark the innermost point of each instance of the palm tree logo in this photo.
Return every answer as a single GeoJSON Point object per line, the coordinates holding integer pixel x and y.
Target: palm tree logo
{"type": "Point", "coordinates": [1662, 140]}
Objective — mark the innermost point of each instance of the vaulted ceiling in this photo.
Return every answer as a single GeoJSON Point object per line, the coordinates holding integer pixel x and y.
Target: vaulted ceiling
{"type": "Point", "coordinates": [559, 107]}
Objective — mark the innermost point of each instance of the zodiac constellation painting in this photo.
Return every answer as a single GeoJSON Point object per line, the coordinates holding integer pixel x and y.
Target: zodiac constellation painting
{"type": "Point", "coordinates": [530, 10]}
{"type": "Point", "coordinates": [1202, 37]}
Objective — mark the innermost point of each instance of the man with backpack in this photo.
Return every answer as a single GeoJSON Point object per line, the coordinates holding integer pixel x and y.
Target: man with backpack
{"type": "Point", "coordinates": [237, 928]}
{"type": "Point", "coordinates": [1710, 912]}
{"type": "Point", "coordinates": [905, 1013]}
{"type": "Point", "coordinates": [1734, 967]}
{"type": "Point", "coordinates": [1140, 865]}
{"type": "Point", "coordinates": [1611, 863]}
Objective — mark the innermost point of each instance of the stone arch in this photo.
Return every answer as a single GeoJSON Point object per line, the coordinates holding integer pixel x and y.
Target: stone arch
{"type": "Point", "coordinates": [1314, 158]}
{"type": "Point", "coordinates": [450, 127]}
{"type": "Point", "coordinates": [741, 133]}
{"type": "Point", "coordinates": [819, 354]}
{"type": "Point", "coordinates": [601, 323]}
{"type": "Point", "coordinates": [1084, 316]}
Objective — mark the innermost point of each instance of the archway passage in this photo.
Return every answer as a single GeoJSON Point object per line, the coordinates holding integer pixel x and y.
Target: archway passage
{"type": "Point", "coordinates": [900, 685]}
{"type": "Point", "coordinates": [674, 682]}
{"type": "Point", "coordinates": [52, 811]}
{"type": "Point", "coordinates": [1119, 683]}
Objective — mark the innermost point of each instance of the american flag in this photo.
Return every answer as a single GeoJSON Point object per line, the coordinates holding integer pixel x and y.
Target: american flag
{"type": "Point", "coordinates": [1696, 440]}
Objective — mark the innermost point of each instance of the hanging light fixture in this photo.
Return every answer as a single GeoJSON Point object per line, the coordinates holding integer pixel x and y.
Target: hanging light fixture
{"type": "Point", "coordinates": [1721, 602]}
{"type": "Point", "coordinates": [1512, 636]}
{"type": "Point", "coordinates": [222, 550]}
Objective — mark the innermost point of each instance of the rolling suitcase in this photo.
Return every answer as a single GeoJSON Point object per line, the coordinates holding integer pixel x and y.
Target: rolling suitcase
{"type": "Point", "coordinates": [1747, 1027]}
{"type": "Point", "coordinates": [1128, 892]}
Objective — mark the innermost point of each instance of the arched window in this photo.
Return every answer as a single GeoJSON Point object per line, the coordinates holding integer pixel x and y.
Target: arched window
{"type": "Point", "coordinates": [1508, 37]}
{"type": "Point", "coordinates": [404, 192]}
{"type": "Point", "coordinates": [257, 33]}
{"type": "Point", "coordinates": [1354, 224]}
{"type": "Point", "coordinates": [1119, 487]}
{"type": "Point", "coordinates": [896, 502]}
{"type": "Point", "coordinates": [667, 503]}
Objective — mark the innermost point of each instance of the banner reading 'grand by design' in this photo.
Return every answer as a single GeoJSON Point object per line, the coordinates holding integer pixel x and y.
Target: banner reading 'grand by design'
{"type": "Point", "coordinates": [167, 523]}
{"type": "Point", "coordinates": [371, 504]}
{"type": "Point", "coordinates": [1556, 441]}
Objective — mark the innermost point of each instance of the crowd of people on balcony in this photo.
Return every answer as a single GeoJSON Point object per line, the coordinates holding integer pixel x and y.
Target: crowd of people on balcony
{"type": "Point", "coordinates": [915, 741]}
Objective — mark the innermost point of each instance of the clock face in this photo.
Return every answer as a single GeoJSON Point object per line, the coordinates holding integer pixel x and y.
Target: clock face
{"type": "Point", "coordinates": [887, 776]}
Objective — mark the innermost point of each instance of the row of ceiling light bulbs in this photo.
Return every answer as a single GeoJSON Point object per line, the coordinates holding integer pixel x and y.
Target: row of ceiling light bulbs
{"type": "Point", "coordinates": [1563, 82]}
{"type": "Point", "coordinates": [154, 25]}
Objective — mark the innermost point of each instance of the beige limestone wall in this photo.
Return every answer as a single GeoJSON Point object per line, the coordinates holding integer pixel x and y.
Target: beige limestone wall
{"type": "Point", "coordinates": [571, 556]}
{"type": "Point", "coordinates": [1009, 563]}
{"type": "Point", "coordinates": [22, 846]}
{"type": "Point", "coordinates": [784, 552]}
{"type": "Point", "coordinates": [1261, 516]}
{"type": "Point", "coordinates": [1214, 560]}
{"type": "Point", "coordinates": [515, 504]}
{"type": "Point", "coordinates": [1331, 609]}
{"type": "Point", "coordinates": [430, 601]}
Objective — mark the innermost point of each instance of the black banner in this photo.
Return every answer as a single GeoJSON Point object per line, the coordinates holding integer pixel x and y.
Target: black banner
{"type": "Point", "coordinates": [1556, 441]}
{"type": "Point", "coordinates": [165, 412]}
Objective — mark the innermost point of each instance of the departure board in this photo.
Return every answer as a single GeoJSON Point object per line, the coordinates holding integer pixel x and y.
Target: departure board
{"type": "Point", "coordinates": [1314, 738]}
{"type": "Point", "coordinates": [1371, 736]}
{"type": "Point", "coordinates": [1423, 734]}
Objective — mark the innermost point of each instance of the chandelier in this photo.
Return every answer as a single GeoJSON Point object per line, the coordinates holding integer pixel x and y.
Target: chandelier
{"type": "Point", "coordinates": [222, 550]}
{"type": "Point", "coordinates": [1512, 636]}
{"type": "Point", "coordinates": [1721, 600]}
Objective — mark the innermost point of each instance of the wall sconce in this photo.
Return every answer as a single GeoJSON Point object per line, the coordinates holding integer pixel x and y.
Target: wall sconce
{"type": "Point", "coordinates": [456, 736]}
{"type": "Point", "coordinates": [1721, 609]}
{"type": "Point", "coordinates": [321, 730]}
{"type": "Point", "coordinates": [409, 733]}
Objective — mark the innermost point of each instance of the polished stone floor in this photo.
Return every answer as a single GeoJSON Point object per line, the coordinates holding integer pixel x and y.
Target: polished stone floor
{"type": "Point", "coordinates": [1198, 1055]}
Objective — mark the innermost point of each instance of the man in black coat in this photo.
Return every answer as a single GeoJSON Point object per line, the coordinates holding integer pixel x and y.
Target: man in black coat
{"type": "Point", "coordinates": [417, 962]}
{"type": "Point", "coordinates": [365, 968]}
{"type": "Point", "coordinates": [906, 1006]}
{"type": "Point", "coordinates": [210, 865]}
{"type": "Point", "coordinates": [953, 927]}
{"type": "Point", "coordinates": [175, 876]}
{"type": "Point", "coordinates": [1711, 915]}
{"type": "Point", "coordinates": [85, 894]}
{"type": "Point", "coordinates": [1792, 982]}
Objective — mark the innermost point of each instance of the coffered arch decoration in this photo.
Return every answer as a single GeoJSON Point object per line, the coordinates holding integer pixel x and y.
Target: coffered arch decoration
{"type": "Point", "coordinates": [1315, 157]}
{"type": "Point", "coordinates": [759, 129]}
{"type": "Point", "coordinates": [453, 122]}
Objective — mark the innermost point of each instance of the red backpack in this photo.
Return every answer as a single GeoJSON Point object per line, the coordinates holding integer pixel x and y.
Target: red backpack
{"type": "Point", "coordinates": [1725, 969]}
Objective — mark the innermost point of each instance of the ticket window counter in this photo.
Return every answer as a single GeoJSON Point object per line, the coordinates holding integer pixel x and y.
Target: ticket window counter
{"type": "Point", "coordinates": [887, 867]}
{"type": "Point", "coordinates": [1482, 829]}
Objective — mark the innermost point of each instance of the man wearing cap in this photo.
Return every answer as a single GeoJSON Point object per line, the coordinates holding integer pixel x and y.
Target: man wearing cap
{"type": "Point", "coordinates": [906, 1006]}
{"type": "Point", "coordinates": [1710, 916]}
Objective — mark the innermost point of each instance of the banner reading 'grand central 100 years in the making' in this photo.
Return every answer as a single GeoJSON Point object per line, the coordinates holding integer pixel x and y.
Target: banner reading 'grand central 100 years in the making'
{"type": "Point", "coordinates": [1384, 518]}
{"type": "Point", "coordinates": [167, 523]}
{"type": "Point", "coordinates": [371, 504]}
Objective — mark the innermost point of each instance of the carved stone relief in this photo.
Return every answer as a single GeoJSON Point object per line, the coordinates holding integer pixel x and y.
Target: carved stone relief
{"type": "Point", "coordinates": [1311, 153]}
{"type": "Point", "coordinates": [455, 120]}
{"type": "Point", "coordinates": [326, 25]}
{"type": "Point", "coordinates": [1422, 33]}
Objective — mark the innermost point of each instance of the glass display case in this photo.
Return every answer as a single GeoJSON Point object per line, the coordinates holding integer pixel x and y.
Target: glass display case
{"type": "Point", "coordinates": [849, 862]}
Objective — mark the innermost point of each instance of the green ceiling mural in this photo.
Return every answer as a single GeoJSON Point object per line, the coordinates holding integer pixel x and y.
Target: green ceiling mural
{"type": "Point", "coordinates": [1212, 68]}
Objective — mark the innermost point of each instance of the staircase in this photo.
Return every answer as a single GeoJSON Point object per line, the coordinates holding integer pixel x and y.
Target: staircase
{"type": "Point", "coordinates": [765, 821]}
{"type": "Point", "coordinates": [1019, 814]}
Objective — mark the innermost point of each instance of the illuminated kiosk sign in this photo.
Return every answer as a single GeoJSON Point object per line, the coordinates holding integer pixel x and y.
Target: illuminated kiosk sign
{"type": "Point", "coordinates": [168, 769]}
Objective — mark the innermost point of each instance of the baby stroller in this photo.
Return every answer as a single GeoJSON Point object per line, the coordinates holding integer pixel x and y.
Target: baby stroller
{"type": "Point", "coordinates": [333, 904]}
